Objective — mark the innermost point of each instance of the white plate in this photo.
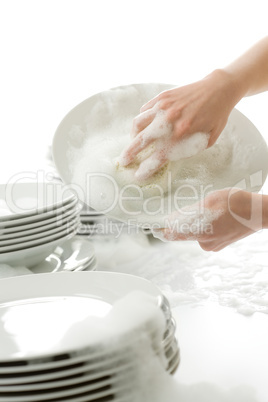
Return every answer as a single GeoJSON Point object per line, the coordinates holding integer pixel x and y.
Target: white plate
{"type": "Point", "coordinates": [32, 256]}
{"type": "Point", "coordinates": [119, 106]}
{"type": "Point", "coordinates": [103, 364]}
{"type": "Point", "coordinates": [108, 378]}
{"type": "Point", "coordinates": [38, 235]}
{"type": "Point", "coordinates": [38, 217]}
{"type": "Point", "coordinates": [99, 293]}
{"type": "Point", "coordinates": [43, 224]}
{"type": "Point", "coordinates": [99, 395]}
{"type": "Point", "coordinates": [59, 222]}
{"type": "Point", "coordinates": [49, 264]}
{"type": "Point", "coordinates": [19, 245]}
{"type": "Point", "coordinates": [91, 266]}
{"type": "Point", "coordinates": [73, 254]}
{"type": "Point", "coordinates": [18, 200]}
{"type": "Point", "coordinates": [101, 290]}
{"type": "Point", "coordinates": [52, 264]}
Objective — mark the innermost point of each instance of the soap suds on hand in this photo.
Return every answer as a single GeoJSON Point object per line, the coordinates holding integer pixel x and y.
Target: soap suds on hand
{"type": "Point", "coordinates": [189, 222]}
{"type": "Point", "coordinates": [190, 146]}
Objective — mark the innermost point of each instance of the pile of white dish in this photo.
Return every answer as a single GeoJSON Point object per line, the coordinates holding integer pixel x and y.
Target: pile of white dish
{"type": "Point", "coordinates": [58, 354]}
{"type": "Point", "coordinates": [95, 224]}
{"type": "Point", "coordinates": [34, 219]}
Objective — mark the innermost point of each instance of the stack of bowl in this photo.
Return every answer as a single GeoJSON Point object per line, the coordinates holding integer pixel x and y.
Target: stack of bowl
{"type": "Point", "coordinates": [34, 219]}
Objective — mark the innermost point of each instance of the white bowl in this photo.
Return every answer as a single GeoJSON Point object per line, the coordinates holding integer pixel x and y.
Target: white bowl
{"type": "Point", "coordinates": [117, 108]}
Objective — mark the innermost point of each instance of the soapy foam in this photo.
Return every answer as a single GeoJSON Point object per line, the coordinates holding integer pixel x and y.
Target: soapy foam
{"type": "Point", "coordinates": [190, 146]}
{"type": "Point", "coordinates": [236, 277]}
{"type": "Point", "coordinates": [190, 223]}
{"type": "Point", "coordinates": [186, 177]}
{"type": "Point", "coordinates": [148, 380]}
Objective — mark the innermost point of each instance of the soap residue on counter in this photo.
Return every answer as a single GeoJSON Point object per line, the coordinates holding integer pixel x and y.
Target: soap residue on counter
{"type": "Point", "coordinates": [236, 277]}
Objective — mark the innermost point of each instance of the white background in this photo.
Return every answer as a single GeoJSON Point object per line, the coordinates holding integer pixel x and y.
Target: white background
{"type": "Point", "coordinates": [56, 53]}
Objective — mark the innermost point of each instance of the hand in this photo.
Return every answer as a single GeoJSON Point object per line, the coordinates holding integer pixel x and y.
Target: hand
{"type": "Point", "coordinates": [222, 218]}
{"type": "Point", "coordinates": [201, 107]}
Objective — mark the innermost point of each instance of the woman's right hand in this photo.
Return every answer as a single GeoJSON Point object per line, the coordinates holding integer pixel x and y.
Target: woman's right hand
{"type": "Point", "coordinates": [203, 106]}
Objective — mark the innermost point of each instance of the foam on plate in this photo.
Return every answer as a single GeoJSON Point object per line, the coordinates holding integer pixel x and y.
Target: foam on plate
{"type": "Point", "coordinates": [115, 190]}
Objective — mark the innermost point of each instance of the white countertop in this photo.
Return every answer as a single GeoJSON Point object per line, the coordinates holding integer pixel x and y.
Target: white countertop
{"type": "Point", "coordinates": [220, 304]}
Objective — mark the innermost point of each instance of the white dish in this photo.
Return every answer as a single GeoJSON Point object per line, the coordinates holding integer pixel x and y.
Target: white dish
{"type": "Point", "coordinates": [43, 224]}
{"type": "Point", "coordinates": [107, 378]}
{"type": "Point", "coordinates": [38, 217]}
{"type": "Point", "coordinates": [39, 241]}
{"type": "Point", "coordinates": [30, 371]}
{"type": "Point", "coordinates": [106, 394]}
{"type": "Point", "coordinates": [79, 125]}
{"type": "Point", "coordinates": [90, 266]}
{"type": "Point", "coordinates": [53, 262]}
{"type": "Point", "coordinates": [102, 362]}
{"type": "Point", "coordinates": [101, 289]}
{"type": "Point", "coordinates": [73, 254]}
{"type": "Point", "coordinates": [38, 235]}
{"type": "Point", "coordinates": [19, 200]}
{"type": "Point", "coordinates": [55, 224]}
{"type": "Point", "coordinates": [32, 256]}
{"type": "Point", "coordinates": [49, 264]}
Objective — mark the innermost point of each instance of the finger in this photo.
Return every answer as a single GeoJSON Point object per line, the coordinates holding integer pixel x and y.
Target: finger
{"type": "Point", "coordinates": [141, 121]}
{"type": "Point", "coordinates": [206, 246]}
{"type": "Point", "coordinates": [221, 246]}
{"type": "Point", "coordinates": [213, 245]}
{"type": "Point", "coordinates": [151, 165]}
{"type": "Point", "coordinates": [137, 145]}
{"type": "Point", "coordinates": [149, 104]}
{"type": "Point", "coordinates": [159, 234]}
{"type": "Point", "coordinates": [172, 235]}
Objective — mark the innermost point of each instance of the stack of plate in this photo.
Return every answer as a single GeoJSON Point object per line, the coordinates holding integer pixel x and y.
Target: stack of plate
{"type": "Point", "coordinates": [34, 219]}
{"type": "Point", "coordinates": [52, 356]}
{"type": "Point", "coordinates": [94, 223]}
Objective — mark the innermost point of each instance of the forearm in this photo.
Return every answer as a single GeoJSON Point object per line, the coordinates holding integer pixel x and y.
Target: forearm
{"type": "Point", "coordinates": [250, 71]}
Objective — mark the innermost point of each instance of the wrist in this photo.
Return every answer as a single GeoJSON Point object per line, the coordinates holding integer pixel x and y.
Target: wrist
{"type": "Point", "coordinates": [249, 209]}
{"type": "Point", "coordinates": [227, 89]}
{"type": "Point", "coordinates": [232, 86]}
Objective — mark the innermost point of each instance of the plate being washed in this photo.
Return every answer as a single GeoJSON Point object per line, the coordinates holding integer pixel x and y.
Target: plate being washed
{"type": "Point", "coordinates": [102, 123]}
